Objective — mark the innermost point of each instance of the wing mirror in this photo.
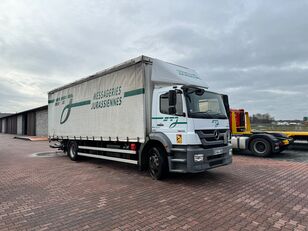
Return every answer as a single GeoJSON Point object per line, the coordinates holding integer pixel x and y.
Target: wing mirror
{"type": "Point", "coordinates": [226, 104]}
{"type": "Point", "coordinates": [172, 102]}
{"type": "Point", "coordinates": [172, 110]}
{"type": "Point", "coordinates": [172, 98]}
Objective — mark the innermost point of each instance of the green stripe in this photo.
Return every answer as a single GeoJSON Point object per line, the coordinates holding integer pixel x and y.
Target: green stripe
{"type": "Point", "coordinates": [181, 122]}
{"type": "Point", "coordinates": [134, 92]}
{"type": "Point", "coordinates": [51, 101]}
{"type": "Point", "coordinates": [81, 103]}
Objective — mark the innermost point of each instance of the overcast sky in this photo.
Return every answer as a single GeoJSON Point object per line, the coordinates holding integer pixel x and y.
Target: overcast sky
{"type": "Point", "coordinates": [255, 51]}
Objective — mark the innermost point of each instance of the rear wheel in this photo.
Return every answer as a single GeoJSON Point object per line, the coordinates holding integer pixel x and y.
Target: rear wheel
{"type": "Point", "coordinates": [260, 147]}
{"type": "Point", "coordinates": [72, 150]}
{"type": "Point", "coordinates": [158, 163]}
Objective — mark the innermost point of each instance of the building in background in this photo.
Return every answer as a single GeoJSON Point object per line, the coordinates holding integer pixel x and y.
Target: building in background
{"type": "Point", "coordinates": [32, 122]}
{"type": "Point", "coordinates": [262, 118]}
{"type": "Point", "coordinates": [3, 115]}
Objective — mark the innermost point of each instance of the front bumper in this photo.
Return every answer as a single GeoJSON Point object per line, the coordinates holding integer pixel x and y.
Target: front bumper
{"type": "Point", "coordinates": [182, 158]}
{"type": "Point", "coordinates": [288, 141]}
{"type": "Point", "coordinates": [283, 144]}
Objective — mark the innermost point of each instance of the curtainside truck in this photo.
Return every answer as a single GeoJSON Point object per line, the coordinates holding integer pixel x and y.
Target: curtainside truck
{"type": "Point", "coordinates": [157, 115]}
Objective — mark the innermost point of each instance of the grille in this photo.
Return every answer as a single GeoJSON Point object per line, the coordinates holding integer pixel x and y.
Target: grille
{"type": "Point", "coordinates": [213, 138]}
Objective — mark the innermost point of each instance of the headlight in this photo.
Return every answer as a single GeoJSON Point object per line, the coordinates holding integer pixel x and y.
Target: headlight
{"type": "Point", "coordinates": [230, 152]}
{"type": "Point", "coordinates": [198, 157]}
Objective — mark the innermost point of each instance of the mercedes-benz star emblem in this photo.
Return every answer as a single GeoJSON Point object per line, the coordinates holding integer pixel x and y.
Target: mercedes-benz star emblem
{"type": "Point", "coordinates": [216, 134]}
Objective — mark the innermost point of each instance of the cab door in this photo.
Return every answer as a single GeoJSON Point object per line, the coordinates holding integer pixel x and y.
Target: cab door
{"type": "Point", "coordinates": [172, 125]}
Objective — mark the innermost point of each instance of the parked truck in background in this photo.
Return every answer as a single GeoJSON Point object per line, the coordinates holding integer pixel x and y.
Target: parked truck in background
{"type": "Point", "coordinates": [259, 143]}
{"type": "Point", "coordinates": [157, 115]}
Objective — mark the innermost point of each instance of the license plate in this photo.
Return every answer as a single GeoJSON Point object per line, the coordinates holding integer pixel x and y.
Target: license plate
{"type": "Point", "coordinates": [218, 151]}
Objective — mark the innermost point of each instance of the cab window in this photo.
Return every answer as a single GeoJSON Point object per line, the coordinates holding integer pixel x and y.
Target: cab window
{"type": "Point", "coordinates": [164, 104]}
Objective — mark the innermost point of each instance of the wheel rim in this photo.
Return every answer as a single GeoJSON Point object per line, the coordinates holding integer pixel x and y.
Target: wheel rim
{"type": "Point", "coordinates": [73, 150]}
{"type": "Point", "coordinates": [260, 147]}
{"type": "Point", "coordinates": [154, 163]}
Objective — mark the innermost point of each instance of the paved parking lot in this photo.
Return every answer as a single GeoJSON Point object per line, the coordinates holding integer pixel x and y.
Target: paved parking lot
{"type": "Point", "coordinates": [54, 193]}
{"type": "Point", "coordinates": [296, 153]}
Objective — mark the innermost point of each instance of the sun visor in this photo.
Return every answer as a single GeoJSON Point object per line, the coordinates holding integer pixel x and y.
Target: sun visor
{"type": "Point", "coordinates": [164, 72]}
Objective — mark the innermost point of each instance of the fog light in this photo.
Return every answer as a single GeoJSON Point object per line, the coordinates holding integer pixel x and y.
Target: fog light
{"type": "Point", "coordinates": [198, 157]}
{"type": "Point", "coordinates": [230, 152]}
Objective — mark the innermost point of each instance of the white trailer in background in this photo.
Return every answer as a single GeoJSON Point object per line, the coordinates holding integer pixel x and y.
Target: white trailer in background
{"type": "Point", "coordinates": [155, 114]}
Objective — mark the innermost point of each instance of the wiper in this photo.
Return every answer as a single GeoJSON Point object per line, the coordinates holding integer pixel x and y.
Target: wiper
{"type": "Point", "coordinates": [219, 115]}
{"type": "Point", "coordinates": [204, 114]}
{"type": "Point", "coordinates": [210, 115]}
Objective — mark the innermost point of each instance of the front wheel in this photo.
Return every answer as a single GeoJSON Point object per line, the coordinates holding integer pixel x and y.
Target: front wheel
{"type": "Point", "coordinates": [158, 163]}
{"type": "Point", "coordinates": [260, 147]}
{"type": "Point", "coordinates": [72, 150]}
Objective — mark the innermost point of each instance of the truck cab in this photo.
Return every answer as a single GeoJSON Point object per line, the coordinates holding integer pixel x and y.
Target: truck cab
{"type": "Point", "coordinates": [195, 121]}
{"type": "Point", "coordinates": [259, 143]}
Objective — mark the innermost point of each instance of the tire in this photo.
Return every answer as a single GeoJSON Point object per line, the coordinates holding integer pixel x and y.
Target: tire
{"type": "Point", "coordinates": [260, 147]}
{"type": "Point", "coordinates": [158, 163]}
{"type": "Point", "coordinates": [72, 150]}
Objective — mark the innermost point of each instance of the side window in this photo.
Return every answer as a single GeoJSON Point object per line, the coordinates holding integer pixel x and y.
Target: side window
{"type": "Point", "coordinates": [164, 104]}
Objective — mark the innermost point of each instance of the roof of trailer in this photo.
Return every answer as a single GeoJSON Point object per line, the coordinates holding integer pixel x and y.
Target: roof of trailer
{"type": "Point", "coordinates": [104, 72]}
{"type": "Point", "coordinates": [162, 72]}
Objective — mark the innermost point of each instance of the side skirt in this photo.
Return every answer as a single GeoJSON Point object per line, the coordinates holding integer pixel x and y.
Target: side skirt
{"type": "Point", "coordinates": [108, 158]}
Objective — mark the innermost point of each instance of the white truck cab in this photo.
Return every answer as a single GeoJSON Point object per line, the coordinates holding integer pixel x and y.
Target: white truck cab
{"type": "Point", "coordinates": [197, 125]}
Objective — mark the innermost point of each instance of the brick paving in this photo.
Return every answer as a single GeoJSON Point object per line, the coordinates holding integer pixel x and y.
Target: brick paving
{"type": "Point", "coordinates": [55, 193]}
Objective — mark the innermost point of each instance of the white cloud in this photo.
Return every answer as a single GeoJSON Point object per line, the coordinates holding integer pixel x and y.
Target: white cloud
{"type": "Point", "coordinates": [256, 51]}
{"type": "Point", "coordinates": [279, 92]}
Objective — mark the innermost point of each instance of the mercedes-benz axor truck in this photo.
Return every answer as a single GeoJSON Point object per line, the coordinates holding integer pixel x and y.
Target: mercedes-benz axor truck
{"type": "Point", "coordinates": [157, 115]}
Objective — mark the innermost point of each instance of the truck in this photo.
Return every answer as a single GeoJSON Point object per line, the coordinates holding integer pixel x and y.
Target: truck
{"type": "Point", "coordinates": [147, 112]}
{"type": "Point", "coordinates": [259, 143]}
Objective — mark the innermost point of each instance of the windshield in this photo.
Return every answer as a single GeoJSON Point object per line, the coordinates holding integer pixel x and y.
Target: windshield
{"type": "Point", "coordinates": [203, 104]}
